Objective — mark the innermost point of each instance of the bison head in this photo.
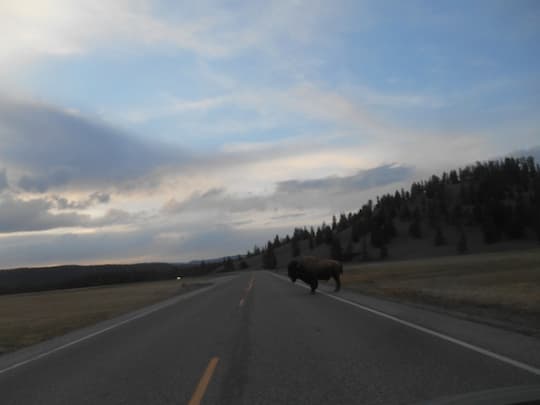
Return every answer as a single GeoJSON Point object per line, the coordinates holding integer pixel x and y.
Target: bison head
{"type": "Point", "coordinates": [293, 270]}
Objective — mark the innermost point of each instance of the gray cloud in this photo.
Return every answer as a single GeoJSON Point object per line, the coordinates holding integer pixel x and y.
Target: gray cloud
{"type": "Point", "coordinates": [33, 215]}
{"type": "Point", "coordinates": [51, 149]}
{"type": "Point", "coordinates": [153, 243]}
{"type": "Point", "coordinates": [18, 215]}
{"type": "Point", "coordinates": [216, 198]}
{"type": "Point", "coordinates": [41, 183]}
{"type": "Point", "coordinates": [166, 238]}
{"type": "Point", "coordinates": [324, 192]}
{"type": "Point", "coordinates": [3, 180]}
{"type": "Point", "coordinates": [97, 197]}
{"type": "Point", "coordinates": [362, 180]}
{"type": "Point", "coordinates": [287, 216]}
{"type": "Point", "coordinates": [54, 148]}
{"type": "Point", "coordinates": [39, 249]}
{"type": "Point", "coordinates": [116, 216]}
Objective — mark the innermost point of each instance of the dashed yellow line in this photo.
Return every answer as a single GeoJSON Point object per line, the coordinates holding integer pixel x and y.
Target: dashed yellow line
{"type": "Point", "coordinates": [198, 395]}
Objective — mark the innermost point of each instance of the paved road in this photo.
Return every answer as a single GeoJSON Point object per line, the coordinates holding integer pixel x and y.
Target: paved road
{"type": "Point", "coordinates": [274, 343]}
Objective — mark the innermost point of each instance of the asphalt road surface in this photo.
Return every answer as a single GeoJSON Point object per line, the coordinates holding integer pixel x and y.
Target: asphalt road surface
{"type": "Point", "coordinates": [257, 339]}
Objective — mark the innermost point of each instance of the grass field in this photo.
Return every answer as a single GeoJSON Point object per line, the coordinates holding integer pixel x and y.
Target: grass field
{"type": "Point", "coordinates": [504, 286]}
{"type": "Point", "coordinates": [30, 318]}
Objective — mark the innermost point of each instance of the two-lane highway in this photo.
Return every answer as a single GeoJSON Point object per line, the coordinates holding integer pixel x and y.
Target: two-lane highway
{"type": "Point", "coordinates": [257, 340]}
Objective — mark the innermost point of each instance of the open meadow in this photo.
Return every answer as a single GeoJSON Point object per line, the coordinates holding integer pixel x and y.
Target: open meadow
{"type": "Point", "coordinates": [501, 286]}
{"type": "Point", "coordinates": [29, 318]}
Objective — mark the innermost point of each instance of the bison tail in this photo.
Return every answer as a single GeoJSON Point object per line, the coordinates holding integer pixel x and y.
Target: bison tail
{"type": "Point", "coordinates": [340, 268]}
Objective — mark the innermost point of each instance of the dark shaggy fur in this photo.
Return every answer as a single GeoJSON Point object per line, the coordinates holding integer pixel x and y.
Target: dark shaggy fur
{"type": "Point", "coordinates": [310, 269]}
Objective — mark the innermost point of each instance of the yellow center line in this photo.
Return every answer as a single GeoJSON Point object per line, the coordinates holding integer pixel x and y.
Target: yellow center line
{"type": "Point", "coordinates": [247, 290]}
{"type": "Point", "coordinates": [250, 286]}
{"type": "Point", "coordinates": [203, 383]}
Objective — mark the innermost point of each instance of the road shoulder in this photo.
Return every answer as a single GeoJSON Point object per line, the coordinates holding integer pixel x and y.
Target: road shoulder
{"type": "Point", "coordinates": [516, 346]}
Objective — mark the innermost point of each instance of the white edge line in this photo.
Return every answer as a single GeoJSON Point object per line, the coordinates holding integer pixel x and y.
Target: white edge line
{"type": "Point", "coordinates": [108, 328]}
{"type": "Point", "coordinates": [485, 352]}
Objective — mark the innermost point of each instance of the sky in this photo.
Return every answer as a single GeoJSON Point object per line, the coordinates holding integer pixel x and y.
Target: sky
{"type": "Point", "coordinates": [171, 131]}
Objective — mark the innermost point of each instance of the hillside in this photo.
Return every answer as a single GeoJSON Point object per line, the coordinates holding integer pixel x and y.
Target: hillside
{"type": "Point", "coordinates": [487, 207]}
{"type": "Point", "coordinates": [73, 276]}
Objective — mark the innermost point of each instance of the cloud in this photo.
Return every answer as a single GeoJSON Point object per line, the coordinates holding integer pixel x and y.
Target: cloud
{"type": "Point", "coordinates": [41, 183]}
{"type": "Point", "coordinates": [52, 148]}
{"type": "Point", "coordinates": [216, 199]}
{"type": "Point", "coordinates": [278, 106]}
{"type": "Point", "coordinates": [18, 215]}
{"type": "Point", "coordinates": [287, 216]}
{"type": "Point", "coordinates": [209, 29]}
{"type": "Point", "coordinates": [3, 180]}
{"type": "Point", "coordinates": [128, 246]}
{"type": "Point", "coordinates": [97, 197]}
{"type": "Point", "coordinates": [69, 27]}
{"type": "Point", "coordinates": [77, 248]}
{"type": "Point", "coordinates": [362, 180]}
{"type": "Point", "coordinates": [292, 194]}
{"type": "Point", "coordinates": [116, 216]}
{"type": "Point", "coordinates": [38, 214]}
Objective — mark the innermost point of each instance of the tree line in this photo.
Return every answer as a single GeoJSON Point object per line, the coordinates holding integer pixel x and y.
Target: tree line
{"type": "Point", "coordinates": [502, 197]}
{"type": "Point", "coordinates": [72, 276]}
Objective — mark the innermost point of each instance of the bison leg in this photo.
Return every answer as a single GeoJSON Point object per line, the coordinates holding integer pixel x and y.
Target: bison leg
{"type": "Point", "coordinates": [314, 285]}
{"type": "Point", "coordinates": [338, 282]}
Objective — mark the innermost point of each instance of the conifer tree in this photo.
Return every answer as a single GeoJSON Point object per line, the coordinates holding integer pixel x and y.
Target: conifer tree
{"type": "Point", "coordinates": [439, 239]}
{"type": "Point", "coordinates": [335, 249]}
{"type": "Point", "coordinates": [462, 246]}
{"type": "Point", "coordinates": [295, 247]}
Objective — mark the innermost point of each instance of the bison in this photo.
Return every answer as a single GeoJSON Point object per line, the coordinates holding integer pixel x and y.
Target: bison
{"type": "Point", "coordinates": [310, 269]}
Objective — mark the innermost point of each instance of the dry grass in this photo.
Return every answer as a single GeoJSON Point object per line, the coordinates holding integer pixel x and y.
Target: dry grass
{"type": "Point", "coordinates": [26, 319]}
{"type": "Point", "coordinates": [507, 282]}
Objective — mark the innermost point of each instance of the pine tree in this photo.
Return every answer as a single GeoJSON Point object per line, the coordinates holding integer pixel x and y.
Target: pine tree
{"type": "Point", "coordinates": [377, 237]}
{"type": "Point", "coordinates": [404, 212]}
{"type": "Point", "coordinates": [228, 264]}
{"type": "Point", "coordinates": [462, 246]}
{"type": "Point", "coordinates": [295, 247]}
{"type": "Point", "coordinates": [490, 231]}
{"type": "Point", "coordinates": [318, 236]}
{"type": "Point", "coordinates": [439, 239]}
{"type": "Point", "coordinates": [348, 252]}
{"type": "Point", "coordinates": [389, 230]}
{"type": "Point", "coordinates": [343, 222]}
{"type": "Point", "coordinates": [327, 235]}
{"type": "Point", "coordinates": [335, 249]}
{"type": "Point", "coordinates": [269, 260]}
{"type": "Point", "coordinates": [355, 231]}
{"type": "Point", "coordinates": [415, 229]}
{"type": "Point", "coordinates": [365, 254]}
{"type": "Point", "coordinates": [537, 227]}
{"type": "Point", "coordinates": [383, 252]}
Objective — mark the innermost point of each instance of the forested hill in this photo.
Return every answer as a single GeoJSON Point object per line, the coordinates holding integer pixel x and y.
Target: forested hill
{"type": "Point", "coordinates": [486, 206]}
